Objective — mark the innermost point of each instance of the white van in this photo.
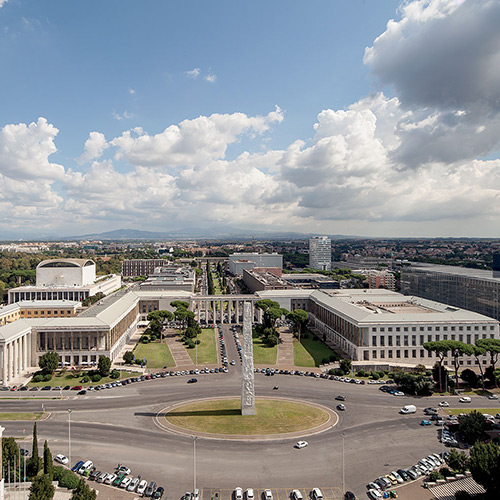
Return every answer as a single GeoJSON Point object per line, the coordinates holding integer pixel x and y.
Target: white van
{"type": "Point", "coordinates": [408, 409]}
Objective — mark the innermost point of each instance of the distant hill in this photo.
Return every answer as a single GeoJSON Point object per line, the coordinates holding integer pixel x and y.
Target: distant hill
{"type": "Point", "coordinates": [193, 232]}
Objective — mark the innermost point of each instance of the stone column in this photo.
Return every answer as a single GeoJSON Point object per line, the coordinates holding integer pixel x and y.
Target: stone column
{"type": "Point", "coordinates": [2, 481]}
{"type": "Point", "coordinates": [247, 374]}
{"type": "Point", "coordinates": [4, 369]}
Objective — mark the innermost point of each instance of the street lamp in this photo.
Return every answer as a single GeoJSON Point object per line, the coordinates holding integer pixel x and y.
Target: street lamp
{"type": "Point", "coordinates": [343, 464]}
{"type": "Point", "coordinates": [69, 436]}
{"type": "Point", "coordinates": [194, 464]}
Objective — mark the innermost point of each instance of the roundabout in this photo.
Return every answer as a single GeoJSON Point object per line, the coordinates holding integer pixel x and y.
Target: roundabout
{"type": "Point", "coordinates": [220, 418]}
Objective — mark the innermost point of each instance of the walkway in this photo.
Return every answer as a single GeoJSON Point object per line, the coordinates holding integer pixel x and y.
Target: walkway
{"type": "Point", "coordinates": [181, 357]}
{"type": "Point", "coordinates": [285, 349]}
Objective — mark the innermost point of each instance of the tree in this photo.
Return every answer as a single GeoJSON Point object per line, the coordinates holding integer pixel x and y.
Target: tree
{"type": "Point", "coordinates": [441, 350]}
{"type": "Point", "coordinates": [470, 377]}
{"type": "Point", "coordinates": [472, 426]}
{"type": "Point", "coordinates": [49, 362]}
{"type": "Point", "coordinates": [180, 304]}
{"type": "Point", "coordinates": [128, 357]}
{"type": "Point", "coordinates": [48, 465]}
{"type": "Point", "coordinates": [458, 460]}
{"type": "Point", "coordinates": [478, 351]}
{"type": "Point", "coordinates": [10, 454]}
{"type": "Point", "coordinates": [491, 346]}
{"type": "Point", "coordinates": [83, 492]}
{"type": "Point", "coordinates": [34, 464]}
{"type": "Point", "coordinates": [41, 489]}
{"type": "Point", "coordinates": [345, 366]}
{"type": "Point", "coordinates": [104, 366]}
{"type": "Point", "coordinates": [272, 311]}
{"type": "Point", "coordinates": [485, 467]}
{"type": "Point", "coordinates": [299, 317]}
{"type": "Point", "coordinates": [458, 349]}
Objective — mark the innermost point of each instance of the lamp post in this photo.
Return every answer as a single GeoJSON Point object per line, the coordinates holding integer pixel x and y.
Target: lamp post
{"type": "Point", "coordinates": [343, 464]}
{"type": "Point", "coordinates": [194, 464]}
{"type": "Point", "coordinates": [69, 436]}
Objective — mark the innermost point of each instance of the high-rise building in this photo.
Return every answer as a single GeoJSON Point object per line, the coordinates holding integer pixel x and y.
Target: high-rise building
{"type": "Point", "coordinates": [320, 253]}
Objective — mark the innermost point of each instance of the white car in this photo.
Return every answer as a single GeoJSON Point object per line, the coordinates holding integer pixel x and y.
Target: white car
{"type": "Point", "coordinates": [268, 495]}
{"type": "Point", "coordinates": [133, 484]}
{"type": "Point", "coordinates": [296, 495]}
{"type": "Point", "coordinates": [142, 487]}
{"type": "Point", "coordinates": [444, 404]}
{"type": "Point", "coordinates": [238, 494]}
{"type": "Point", "coordinates": [301, 444]}
{"type": "Point", "coordinates": [493, 396]}
{"type": "Point", "coordinates": [249, 494]}
{"type": "Point", "coordinates": [374, 494]}
{"type": "Point", "coordinates": [62, 459]}
{"type": "Point", "coordinates": [464, 399]}
{"type": "Point", "coordinates": [125, 483]}
{"type": "Point", "coordinates": [109, 479]}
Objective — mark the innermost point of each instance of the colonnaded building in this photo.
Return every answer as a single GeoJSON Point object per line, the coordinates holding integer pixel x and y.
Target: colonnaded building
{"type": "Point", "coordinates": [373, 326]}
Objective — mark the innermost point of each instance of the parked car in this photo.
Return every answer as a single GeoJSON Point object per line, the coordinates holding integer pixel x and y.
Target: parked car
{"type": "Point", "coordinates": [150, 489]}
{"type": "Point", "coordinates": [77, 466]}
{"type": "Point", "coordinates": [134, 481]}
{"type": "Point", "coordinates": [142, 487]}
{"type": "Point", "coordinates": [249, 494]}
{"type": "Point", "coordinates": [62, 459]}
{"type": "Point", "coordinates": [126, 481]}
{"type": "Point", "coordinates": [158, 493]}
{"type": "Point", "coordinates": [238, 494]}
{"type": "Point", "coordinates": [267, 495]}
{"type": "Point", "coordinates": [109, 478]}
{"type": "Point", "coordinates": [425, 422]}
{"type": "Point", "coordinates": [102, 477]}
{"type": "Point", "coordinates": [296, 495]}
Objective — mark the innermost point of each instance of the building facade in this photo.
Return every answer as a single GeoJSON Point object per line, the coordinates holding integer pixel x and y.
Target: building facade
{"type": "Point", "coordinates": [133, 268]}
{"type": "Point", "coordinates": [320, 253]}
{"type": "Point", "coordinates": [240, 261]}
{"type": "Point", "coordinates": [471, 289]}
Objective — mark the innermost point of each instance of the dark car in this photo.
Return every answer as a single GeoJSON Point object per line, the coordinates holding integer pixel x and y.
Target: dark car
{"type": "Point", "coordinates": [81, 393]}
{"type": "Point", "coordinates": [349, 495]}
{"type": "Point", "coordinates": [77, 466]}
{"type": "Point", "coordinates": [66, 388]}
{"type": "Point", "coordinates": [94, 474]}
{"type": "Point", "coordinates": [150, 489]}
{"type": "Point", "coordinates": [158, 493]}
{"type": "Point", "coordinates": [46, 388]}
{"type": "Point", "coordinates": [403, 474]}
{"type": "Point", "coordinates": [340, 398]}
{"type": "Point", "coordinates": [192, 380]}
{"type": "Point", "coordinates": [24, 452]}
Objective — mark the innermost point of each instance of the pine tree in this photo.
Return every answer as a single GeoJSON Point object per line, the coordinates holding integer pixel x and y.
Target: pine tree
{"type": "Point", "coordinates": [83, 492]}
{"type": "Point", "coordinates": [41, 489]}
{"type": "Point", "coordinates": [48, 465]}
{"type": "Point", "coordinates": [34, 464]}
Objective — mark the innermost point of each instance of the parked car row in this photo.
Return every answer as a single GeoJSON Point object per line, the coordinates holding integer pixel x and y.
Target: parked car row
{"type": "Point", "coordinates": [314, 494]}
{"type": "Point", "coordinates": [120, 478]}
{"type": "Point", "coordinates": [423, 467]}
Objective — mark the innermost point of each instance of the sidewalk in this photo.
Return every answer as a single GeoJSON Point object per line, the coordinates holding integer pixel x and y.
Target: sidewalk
{"type": "Point", "coordinates": [285, 349]}
{"type": "Point", "coordinates": [181, 357]}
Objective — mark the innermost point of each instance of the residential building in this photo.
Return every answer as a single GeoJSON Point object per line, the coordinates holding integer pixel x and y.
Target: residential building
{"type": "Point", "coordinates": [320, 253]}
{"type": "Point", "coordinates": [381, 279]}
{"type": "Point", "coordinates": [240, 261]}
{"type": "Point", "coordinates": [141, 267]}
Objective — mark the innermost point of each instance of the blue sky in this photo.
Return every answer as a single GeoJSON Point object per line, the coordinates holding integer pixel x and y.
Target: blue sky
{"type": "Point", "coordinates": [284, 115]}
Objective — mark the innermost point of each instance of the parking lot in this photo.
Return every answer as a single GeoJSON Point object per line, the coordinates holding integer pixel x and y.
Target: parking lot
{"type": "Point", "coordinates": [278, 494]}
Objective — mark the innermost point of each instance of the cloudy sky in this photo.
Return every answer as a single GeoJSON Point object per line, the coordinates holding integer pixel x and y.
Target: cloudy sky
{"type": "Point", "coordinates": [339, 117]}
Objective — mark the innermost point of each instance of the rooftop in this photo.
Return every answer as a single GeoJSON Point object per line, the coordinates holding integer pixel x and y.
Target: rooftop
{"type": "Point", "coordinates": [482, 274]}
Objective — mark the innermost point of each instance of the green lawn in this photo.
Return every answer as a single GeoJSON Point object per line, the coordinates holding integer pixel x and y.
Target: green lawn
{"type": "Point", "coordinates": [20, 416]}
{"type": "Point", "coordinates": [68, 378]}
{"type": "Point", "coordinates": [224, 417]}
{"type": "Point", "coordinates": [263, 354]}
{"type": "Point", "coordinates": [157, 355]}
{"type": "Point", "coordinates": [457, 411]}
{"type": "Point", "coordinates": [310, 353]}
{"type": "Point", "coordinates": [207, 348]}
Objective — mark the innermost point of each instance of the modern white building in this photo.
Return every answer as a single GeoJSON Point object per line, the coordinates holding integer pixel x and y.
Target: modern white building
{"type": "Point", "coordinates": [320, 253]}
{"type": "Point", "coordinates": [65, 279]}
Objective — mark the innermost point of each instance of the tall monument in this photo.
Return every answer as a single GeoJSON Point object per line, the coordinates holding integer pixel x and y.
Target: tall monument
{"type": "Point", "coordinates": [247, 374]}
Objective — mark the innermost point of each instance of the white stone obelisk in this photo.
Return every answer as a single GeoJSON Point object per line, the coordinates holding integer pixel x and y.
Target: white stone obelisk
{"type": "Point", "coordinates": [247, 374]}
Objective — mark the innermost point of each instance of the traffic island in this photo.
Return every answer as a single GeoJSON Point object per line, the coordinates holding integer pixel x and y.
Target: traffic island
{"type": "Point", "coordinates": [221, 418]}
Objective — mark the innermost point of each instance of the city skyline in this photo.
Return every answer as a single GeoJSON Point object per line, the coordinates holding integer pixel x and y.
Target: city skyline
{"type": "Point", "coordinates": [361, 119]}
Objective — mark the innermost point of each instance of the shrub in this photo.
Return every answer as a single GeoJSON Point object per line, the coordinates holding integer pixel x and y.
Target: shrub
{"type": "Point", "coordinates": [304, 336]}
{"type": "Point", "coordinates": [375, 376]}
{"type": "Point", "coordinates": [145, 340]}
{"type": "Point", "coordinates": [463, 495]}
{"type": "Point", "coordinates": [86, 379]}
{"type": "Point", "coordinates": [37, 378]}
{"type": "Point", "coordinates": [435, 475]}
{"type": "Point", "coordinates": [46, 377]}
{"type": "Point", "coordinates": [332, 371]}
{"type": "Point", "coordinates": [334, 357]}
{"type": "Point", "coordinates": [361, 373]}
{"type": "Point", "coordinates": [96, 377]}
{"type": "Point", "coordinates": [152, 338]}
{"type": "Point", "coordinates": [381, 374]}
{"type": "Point", "coordinates": [324, 361]}
{"type": "Point", "coordinates": [446, 472]}
{"type": "Point", "coordinates": [138, 361]}
{"type": "Point", "coordinates": [65, 477]}
{"type": "Point", "coordinates": [197, 341]}
{"type": "Point", "coordinates": [315, 338]}
{"type": "Point", "coordinates": [115, 374]}
{"type": "Point", "coordinates": [189, 343]}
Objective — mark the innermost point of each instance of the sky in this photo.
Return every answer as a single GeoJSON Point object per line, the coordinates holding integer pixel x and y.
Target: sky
{"type": "Point", "coordinates": [352, 117]}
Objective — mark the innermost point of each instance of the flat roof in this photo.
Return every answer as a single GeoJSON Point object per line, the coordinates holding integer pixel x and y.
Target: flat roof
{"type": "Point", "coordinates": [482, 274]}
{"type": "Point", "coordinates": [48, 303]}
{"type": "Point", "coordinates": [386, 306]}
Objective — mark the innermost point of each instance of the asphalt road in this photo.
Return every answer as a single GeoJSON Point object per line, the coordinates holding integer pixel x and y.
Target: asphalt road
{"type": "Point", "coordinates": [117, 426]}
